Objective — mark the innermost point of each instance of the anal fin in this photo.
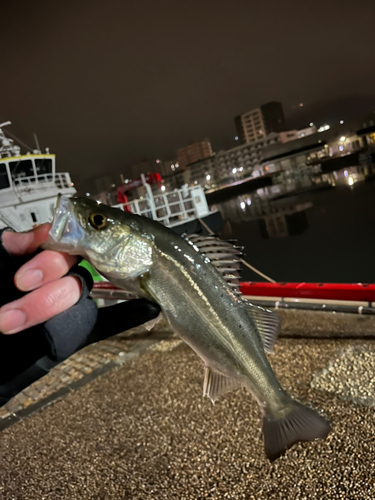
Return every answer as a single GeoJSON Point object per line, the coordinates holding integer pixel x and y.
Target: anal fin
{"type": "Point", "coordinates": [215, 384]}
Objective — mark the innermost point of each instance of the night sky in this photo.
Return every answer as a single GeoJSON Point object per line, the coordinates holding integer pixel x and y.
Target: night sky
{"type": "Point", "coordinates": [106, 84]}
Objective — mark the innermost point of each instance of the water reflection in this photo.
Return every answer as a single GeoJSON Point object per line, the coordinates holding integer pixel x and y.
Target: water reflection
{"type": "Point", "coordinates": [277, 219]}
{"type": "Point", "coordinates": [316, 228]}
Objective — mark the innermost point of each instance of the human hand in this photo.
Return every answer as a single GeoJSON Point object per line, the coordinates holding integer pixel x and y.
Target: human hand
{"type": "Point", "coordinates": [51, 292]}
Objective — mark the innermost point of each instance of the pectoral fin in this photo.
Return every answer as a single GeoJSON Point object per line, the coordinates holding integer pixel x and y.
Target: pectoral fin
{"type": "Point", "coordinates": [268, 324]}
{"type": "Point", "coordinates": [215, 384]}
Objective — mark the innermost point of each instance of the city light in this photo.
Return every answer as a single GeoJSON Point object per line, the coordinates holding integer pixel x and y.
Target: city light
{"type": "Point", "coordinates": [243, 205]}
{"type": "Point", "coordinates": [234, 171]}
{"type": "Point", "coordinates": [311, 124]}
{"type": "Point", "coordinates": [87, 194]}
{"type": "Point", "coordinates": [240, 169]}
{"type": "Point", "coordinates": [341, 122]}
{"type": "Point", "coordinates": [195, 182]}
{"type": "Point", "coordinates": [236, 138]}
{"type": "Point", "coordinates": [248, 201]}
{"type": "Point", "coordinates": [208, 177]}
{"type": "Point", "coordinates": [350, 180]}
{"type": "Point", "coordinates": [301, 104]}
{"type": "Point", "coordinates": [342, 139]}
{"type": "Point", "coordinates": [323, 128]}
{"type": "Point", "coordinates": [345, 173]}
{"type": "Point", "coordinates": [341, 148]}
{"type": "Point", "coordinates": [157, 161]}
{"type": "Point", "coordinates": [163, 188]}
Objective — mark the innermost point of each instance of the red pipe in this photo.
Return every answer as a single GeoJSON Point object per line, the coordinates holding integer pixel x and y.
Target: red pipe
{"type": "Point", "coordinates": [334, 291]}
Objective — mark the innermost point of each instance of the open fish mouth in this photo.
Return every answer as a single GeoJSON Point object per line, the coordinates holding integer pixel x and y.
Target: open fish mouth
{"type": "Point", "coordinates": [60, 217]}
{"type": "Point", "coordinates": [66, 232]}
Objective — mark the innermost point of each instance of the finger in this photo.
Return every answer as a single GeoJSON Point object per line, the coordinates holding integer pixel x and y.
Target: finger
{"type": "Point", "coordinates": [40, 305]}
{"type": "Point", "coordinates": [24, 243]}
{"type": "Point", "coordinates": [45, 267]}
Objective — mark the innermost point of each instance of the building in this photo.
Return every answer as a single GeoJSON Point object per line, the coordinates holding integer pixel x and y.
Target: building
{"type": "Point", "coordinates": [259, 122]}
{"type": "Point", "coordinates": [250, 126]}
{"type": "Point", "coordinates": [273, 117]}
{"type": "Point", "coordinates": [238, 162]}
{"type": "Point", "coordinates": [168, 167]}
{"type": "Point", "coordinates": [292, 135]}
{"type": "Point", "coordinates": [193, 152]}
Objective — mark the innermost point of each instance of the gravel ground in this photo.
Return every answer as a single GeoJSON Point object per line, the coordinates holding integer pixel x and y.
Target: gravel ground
{"type": "Point", "coordinates": [143, 431]}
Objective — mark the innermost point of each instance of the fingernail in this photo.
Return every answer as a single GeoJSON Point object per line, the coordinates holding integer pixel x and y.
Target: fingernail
{"type": "Point", "coordinates": [11, 321]}
{"type": "Point", "coordinates": [29, 279]}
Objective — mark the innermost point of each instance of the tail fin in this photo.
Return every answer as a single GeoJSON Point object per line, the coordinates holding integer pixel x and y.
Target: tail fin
{"type": "Point", "coordinates": [300, 424]}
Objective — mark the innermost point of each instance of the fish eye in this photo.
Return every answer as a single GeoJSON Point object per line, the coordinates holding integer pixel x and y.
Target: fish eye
{"type": "Point", "coordinates": [98, 220]}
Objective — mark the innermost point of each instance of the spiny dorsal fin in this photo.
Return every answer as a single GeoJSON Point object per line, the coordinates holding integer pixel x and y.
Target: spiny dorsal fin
{"type": "Point", "coordinates": [215, 384]}
{"type": "Point", "coordinates": [223, 255]}
{"type": "Point", "coordinates": [268, 324]}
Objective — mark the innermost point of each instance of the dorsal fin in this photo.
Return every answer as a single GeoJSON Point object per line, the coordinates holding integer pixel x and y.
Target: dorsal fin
{"type": "Point", "coordinates": [226, 258]}
{"type": "Point", "coordinates": [268, 324]}
{"type": "Point", "coordinates": [223, 255]}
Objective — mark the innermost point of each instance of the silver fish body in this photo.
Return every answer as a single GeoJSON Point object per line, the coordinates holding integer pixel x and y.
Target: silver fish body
{"type": "Point", "coordinates": [145, 257]}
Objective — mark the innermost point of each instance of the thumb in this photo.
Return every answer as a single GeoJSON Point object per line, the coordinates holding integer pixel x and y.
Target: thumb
{"type": "Point", "coordinates": [24, 243]}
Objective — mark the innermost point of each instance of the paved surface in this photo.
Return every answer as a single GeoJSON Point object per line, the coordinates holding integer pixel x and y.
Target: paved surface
{"type": "Point", "coordinates": [144, 431]}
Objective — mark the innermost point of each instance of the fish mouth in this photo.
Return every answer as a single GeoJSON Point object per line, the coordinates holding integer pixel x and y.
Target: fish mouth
{"type": "Point", "coordinates": [65, 233]}
{"type": "Point", "coordinates": [60, 218]}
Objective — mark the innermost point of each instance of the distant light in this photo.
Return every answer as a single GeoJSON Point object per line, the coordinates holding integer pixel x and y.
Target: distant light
{"type": "Point", "coordinates": [345, 173]}
{"type": "Point", "coordinates": [341, 122]}
{"type": "Point", "coordinates": [248, 201]}
{"type": "Point", "coordinates": [234, 171]}
{"type": "Point", "coordinates": [301, 104]}
{"type": "Point", "coordinates": [195, 182]}
{"type": "Point", "coordinates": [157, 161]}
{"type": "Point", "coordinates": [266, 168]}
{"type": "Point", "coordinates": [240, 169]}
{"type": "Point", "coordinates": [342, 139]}
{"type": "Point", "coordinates": [311, 124]}
{"type": "Point", "coordinates": [126, 181]}
{"type": "Point", "coordinates": [163, 188]}
{"type": "Point", "coordinates": [208, 177]}
{"type": "Point", "coordinates": [350, 180]}
{"type": "Point", "coordinates": [87, 194]}
{"type": "Point", "coordinates": [243, 205]}
{"type": "Point", "coordinates": [236, 138]}
{"type": "Point", "coordinates": [341, 148]}
{"type": "Point", "coordinates": [323, 128]}
{"type": "Point", "coordinates": [302, 135]}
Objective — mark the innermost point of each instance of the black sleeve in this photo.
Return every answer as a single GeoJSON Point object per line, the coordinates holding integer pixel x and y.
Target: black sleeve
{"type": "Point", "coordinates": [28, 355]}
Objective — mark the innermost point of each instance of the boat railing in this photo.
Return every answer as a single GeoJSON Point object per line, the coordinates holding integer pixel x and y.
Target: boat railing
{"type": "Point", "coordinates": [168, 208]}
{"type": "Point", "coordinates": [60, 179]}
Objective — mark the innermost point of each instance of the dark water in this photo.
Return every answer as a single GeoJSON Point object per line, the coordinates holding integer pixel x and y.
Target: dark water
{"type": "Point", "coordinates": [321, 235]}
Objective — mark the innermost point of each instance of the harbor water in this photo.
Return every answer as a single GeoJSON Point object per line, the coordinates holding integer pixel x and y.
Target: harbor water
{"type": "Point", "coordinates": [313, 234]}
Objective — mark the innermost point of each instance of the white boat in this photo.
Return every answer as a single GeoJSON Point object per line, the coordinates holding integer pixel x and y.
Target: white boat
{"type": "Point", "coordinates": [29, 185]}
{"type": "Point", "coordinates": [183, 209]}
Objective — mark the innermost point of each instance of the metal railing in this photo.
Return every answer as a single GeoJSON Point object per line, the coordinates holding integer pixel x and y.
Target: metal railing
{"type": "Point", "coordinates": [170, 208]}
{"type": "Point", "coordinates": [42, 181]}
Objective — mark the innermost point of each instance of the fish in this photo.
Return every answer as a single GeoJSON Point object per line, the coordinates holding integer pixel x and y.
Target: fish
{"type": "Point", "coordinates": [198, 297]}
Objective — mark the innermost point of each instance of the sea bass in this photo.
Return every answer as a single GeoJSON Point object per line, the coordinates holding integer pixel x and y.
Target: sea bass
{"type": "Point", "coordinates": [227, 332]}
